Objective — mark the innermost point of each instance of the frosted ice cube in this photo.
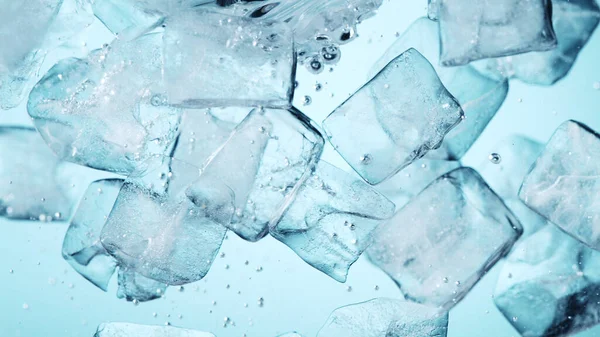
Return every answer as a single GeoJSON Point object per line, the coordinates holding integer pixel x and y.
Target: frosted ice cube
{"type": "Point", "coordinates": [491, 28]}
{"type": "Point", "coordinates": [211, 61]}
{"type": "Point", "coordinates": [265, 159]}
{"type": "Point", "coordinates": [114, 329]}
{"type": "Point", "coordinates": [550, 285]}
{"type": "Point", "coordinates": [574, 22]}
{"type": "Point", "coordinates": [564, 183]}
{"type": "Point", "coordinates": [396, 118]}
{"type": "Point", "coordinates": [443, 241]}
{"type": "Point", "coordinates": [107, 111]}
{"type": "Point", "coordinates": [329, 219]}
{"type": "Point", "coordinates": [34, 183]}
{"type": "Point", "coordinates": [81, 246]}
{"type": "Point", "coordinates": [479, 96]}
{"type": "Point", "coordinates": [385, 317]}
{"type": "Point", "coordinates": [155, 230]}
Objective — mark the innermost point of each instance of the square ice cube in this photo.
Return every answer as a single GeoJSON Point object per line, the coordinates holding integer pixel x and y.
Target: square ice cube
{"type": "Point", "coordinates": [493, 28]}
{"type": "Point", "coordinates": [443, 241]}
{"type": "Point", "coordinates": [396, 118]}
{"type": "Point", "coordinates": [564, 183]}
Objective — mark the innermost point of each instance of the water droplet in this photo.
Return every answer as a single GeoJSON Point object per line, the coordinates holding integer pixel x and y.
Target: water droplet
{"type": "Point", "coordinates": [495, 158]}
{"type": "Point", "coordinates": [181, 289]}
{"type": "Point", "coordinates": [348, 288]}
{"type": "Point", "coordinates": [259, 269]}
{"type": "Point", "coordinates": [376, 287]}
{"type": "Point", "coordinates": [307, 100]}
{"type": "Point", "coordinates": [135, 302]}
{"type": "Point", "coordinates": [596, 85]}
{"type": "Point", "coordinates": [366, 159]}
{"type": "Point", "coordinates": [520, 100]}
{"type": "Point", "coordinates": [25, 306]}
{"type": "Point", "coordinates": [315, 66]}
{"type": "Point", "coordinates": [445, 279]}
{"type": "Point", "coordinates": [318, 86]}
{"type": "Point", "coordinates": [154, 314]}
{"type": "Point", "coordinates": [515, 318]}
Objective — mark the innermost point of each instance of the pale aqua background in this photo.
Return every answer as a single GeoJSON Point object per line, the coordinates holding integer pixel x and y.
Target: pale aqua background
{"type": "Point", "coordinates": [296, 296]}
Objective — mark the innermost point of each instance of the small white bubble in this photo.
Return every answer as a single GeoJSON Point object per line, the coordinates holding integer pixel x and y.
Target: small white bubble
{"type": "Point", "coordinates": [25, 306]}
{"type": "Point", "coordinates": [495, 158]}
{"type": "Point", "coordinates": [596, 85]}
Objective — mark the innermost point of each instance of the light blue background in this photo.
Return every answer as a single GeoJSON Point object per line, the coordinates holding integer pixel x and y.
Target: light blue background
{"type": "Point", "coordinates": [296, 296]}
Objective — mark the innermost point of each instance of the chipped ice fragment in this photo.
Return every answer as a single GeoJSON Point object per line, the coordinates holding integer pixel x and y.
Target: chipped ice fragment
{"type": "Point", "coordinates": [564, 183]}
{"type": "Point", "coordinates": [34, 183]}
{"type": "Point", "coordinates": [476, 30]}
{"type": "Point", "coordinates": [443, 241]}
{"type": "Point", "coordinates": [81, 246]}
{"type": "Point", "coordinates": [269, 154]}
{"type": "Point", "coordinates": [479, 96]}
{"type": "Point", "coordinates": [114, 329]}
{"type": "Point", "coordinates": [216, 60]}
{"type": "Point", "coordinates": [550, 285]}
{"type": "Point", "coordinates": [328, 221]}
{"type": "Point", "coordinates": [385, 317]}
{"type": "Point", "coordinates": [395, 119]}
{"type": "Point", "coordinates": [135, 287]}
{"type": "Point", "coordinates": [106, 111]}
{"type": "Point", "coordinates": [155, 230]}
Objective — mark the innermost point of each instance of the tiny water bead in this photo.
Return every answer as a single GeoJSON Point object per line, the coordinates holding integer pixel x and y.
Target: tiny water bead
{"type": "Point", "coordinates": [596, 85]}
{"type": "Point", "coordinates": [366, 159]}
{"type": "Point", "coordinates": [495, 158]}
{"type": "Point", "coordinates": [307, 100]}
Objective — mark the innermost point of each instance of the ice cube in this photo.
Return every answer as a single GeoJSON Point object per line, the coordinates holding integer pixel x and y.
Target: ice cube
{"type": "Point", "coordinates": [34, 184]}
{"type": "Point", "coordinates": [504, 175]}
{"type": "Point", "coordinates": [81, 247]}
{"type": "Point", "coordinates": [405, 185]}
{"type": "Point", "coordinates": [155, 230]}
{"type": "Point", "coordinates": [135, 287]}
{"type": "Point", "coordinates": [550, 285]}
{"type": "Point", "coordinates": [265, 159]}
{"type": "Point", "coordinates": [385, 317]}
{"type": "Point", "coordinates": [107, 111]}
{"type": "Point", "coordinates": [319, 27]}
{"type": "Point", "coordinates": [202, 134]}
{"type": "Point", "coordinates": [443, 241]}
{"type": "Point", "coordinates": [476, 30]}
{"type": "Point", "coordinates": [218, 60]}
{"type": "Point", "coordinates": [120, 16]}
{"type": "Point", "coordinates": [479, 96]}
{"type": "Point", "coordinates": [396, 118]}
{"type": "Point", "coordinates": [574, 22]}
{"type": "Point", "coordinates": [328, 221]}
{"type": "Point", "coordinates": [114, 329]}
{"type": "Point", "coordinates": [564, 185]}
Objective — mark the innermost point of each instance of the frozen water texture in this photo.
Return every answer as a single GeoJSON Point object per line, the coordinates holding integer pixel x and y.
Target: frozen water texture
{"type": "Point", "coordinates": [479, 96]}
{"type": "Point", "coordinates": [155, 230]}
{"type": "Point", "coordinates": [574, 22]}
{"type": "Point", "coordinates": [493, 28]}
{"type": "Point", "coordinates": [405, 185]}
{"type": "Point", "coordinates": [34, 183]}
{"type": "Point", "coordinates": [218, 60]}
{"type": "Point", "coordinates": [396, 118]}
{"type": "Point", "coordinates": [107, 111]}
{"type": "Point", "coordinates": [319, 27]}
{"type": "Point", "coordinates": [114, 329]}
{"type": "Point", "coordinates": [28, 29]}
{"type": "Point", "coordinates": [265, 159]}
{"type": "Point", "coordinates": [329, 220]}
{"type": "Point", "coordinates": [81, 247]}
{"type": "Point", "coordinates": [443, 241]}
{"type": "Point", "coordinates": [550, 285]}
{"type": "Point", "coordinates": [433, 7]}
{"type": "Point", "coordinates": [125, 16]}
{"type": "Point", "coordinates": [135, 287]}
{"type": "Point", "coordinates": [564, 183]}
{"type": "Point", "coordinates": [202, 133]}
{"type": "Point", "coordinates": [385, 317]}
{"type": "Point", "coordinates": [517, 154]}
